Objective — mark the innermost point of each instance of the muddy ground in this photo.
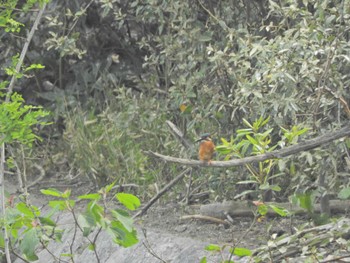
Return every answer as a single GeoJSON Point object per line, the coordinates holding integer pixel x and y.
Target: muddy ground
{"type": "Point", "coordinates": [166, 218]}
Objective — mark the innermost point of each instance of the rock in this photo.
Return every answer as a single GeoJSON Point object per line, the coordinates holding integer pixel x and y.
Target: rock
{"type": "Point", "coordinates": [168, 247]}
{"type": "Point", "coordinates": [181, 228]}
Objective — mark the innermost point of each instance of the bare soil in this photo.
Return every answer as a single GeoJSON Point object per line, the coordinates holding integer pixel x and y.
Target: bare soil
{"type": "Point", "coordinates": [166, 218]}
{"type": "Point", "coordinates": [163, 217]}
{"type": "Point", "coordinates": [242, 232]}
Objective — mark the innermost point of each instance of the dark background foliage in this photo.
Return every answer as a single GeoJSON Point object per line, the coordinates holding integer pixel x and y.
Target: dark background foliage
{"type": "Point", "coordinates": [115, 71]}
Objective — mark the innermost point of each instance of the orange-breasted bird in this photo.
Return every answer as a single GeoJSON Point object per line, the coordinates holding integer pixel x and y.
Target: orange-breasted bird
{"type": "Point", "coordinates": [206, 148]}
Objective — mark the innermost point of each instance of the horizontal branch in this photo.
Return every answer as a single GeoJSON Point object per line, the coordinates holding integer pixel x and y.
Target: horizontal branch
{"type": "Point", "coordinates": [300, 147]}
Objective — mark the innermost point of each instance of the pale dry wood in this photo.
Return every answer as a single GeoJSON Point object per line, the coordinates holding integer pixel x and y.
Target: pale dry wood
{"type": "Point", "coordinates": [314, 236]}
{"type": "Point", "coordinates": [300, 147]}
{"type": "Point", "coordinates": [205, 218]}
{"type": "Point", "coordinates": [243, 209]}
{"type": "Point", "coordinates": [178, 134]}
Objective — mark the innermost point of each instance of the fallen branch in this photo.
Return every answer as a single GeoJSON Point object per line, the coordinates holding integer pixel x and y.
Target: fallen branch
{"type": "Point", "coordinates": [317, 237]}
{"type": "Point", "coordinates": [205, 218]}
{"type": "Point", "coordinates": [161, 192]}
{"type": "Point", "coordinates": [300, 147]}
{"type": "Point", "coordinates": [242, 209]}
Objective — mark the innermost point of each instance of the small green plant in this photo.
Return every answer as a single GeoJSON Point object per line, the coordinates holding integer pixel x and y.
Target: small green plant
{"type": "Point", "coordinates": [233, 251]}
{"type": "Point", "coordinates": [27, 228]}
{"type": "Point", "coordinates": [256, 139]}
{"type": "Point", "coordinates": [306, 201]}
{"type": "Point", "coordinates": [30, 229]}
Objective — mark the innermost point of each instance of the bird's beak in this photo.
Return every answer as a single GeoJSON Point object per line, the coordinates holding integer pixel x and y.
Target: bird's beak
{"type": "Point", "coordinates": [199, 140]}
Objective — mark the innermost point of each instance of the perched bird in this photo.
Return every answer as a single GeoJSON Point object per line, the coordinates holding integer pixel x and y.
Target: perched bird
{"type": "Point", "coordinates": [206, 148]}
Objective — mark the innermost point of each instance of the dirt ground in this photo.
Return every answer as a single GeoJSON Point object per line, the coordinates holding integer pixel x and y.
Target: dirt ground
{"type": "Point", "coordinates": [244, 232]}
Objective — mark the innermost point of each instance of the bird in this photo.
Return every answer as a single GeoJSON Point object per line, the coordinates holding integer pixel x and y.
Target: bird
{"type": "Point", "coordinates": [206, 148]}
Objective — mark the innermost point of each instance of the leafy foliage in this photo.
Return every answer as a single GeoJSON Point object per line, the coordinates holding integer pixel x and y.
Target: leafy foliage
{"type": "Point", "coordinates": [29, 228]}
{"type": "Point", "coordinates": [16, 120]}
{"type": "Point", "coordinates": [256, 140]}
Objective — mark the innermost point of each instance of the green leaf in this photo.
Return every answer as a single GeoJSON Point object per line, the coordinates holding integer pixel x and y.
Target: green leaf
{"type": "Point", "coordinates": [203, 260]}
{"type": "Point", "coordinates": [121, 235]}
{"type": "Point", "coordinates": [275, 188]}
{"type": "Point", "coordinates": [52, 192]}
{"type": "Point", "coordinates": [62, 204]}
{"type": "Point", "coordinates": [241, 252]}
{"type": "Point", "coordinates": [110, 187]}
{"type": "Point", "coordinates": [304, 201]}
{"type": "Point", "coordinates": [204, 37]}
{"type": "Point", "coordinates": [223, 24]}
{"type": "Point", "coordinates": [47, 221]}
{"type": "Point", "coordinates": [94, 214]}
{"type": "Point", "coordinates": [279, 210]}
{"type": "Point", "coordinates": [84, 221]}
{"type": "Point", "coordinates": [28, 244]}
{"type": "Point", "coordinates": [66, 194]}
{"type": "Point", "coordinates": [244, 131]}
{"type": "Point", "coordinates": [124, 218]}
{"type": "Point", "coordinates": [264, 186]}
{"type": "Point", "coordinates": [90, 196]}
{"type": "Point", "coordinates": [223, 149]}
{"type": "Point", "coordinates": [267, 186]}
{"type": "Point", "coordinates": [247, 123]}
{"type": "Point", "coordinates": [344, 193]}
{"type": "Point", "coordinates": [91, 247]}
{"type": "Point", "coordinates": [68, 255]}
{"type": "Point", "coordinates": [252, 140]}
{"type": "Point", "coordinates": [212, 247]}
{"type": "Point", "coordinates": [34, 66]}
{"type": "Point", "coordinates": [264, 122]}
{"type": "Point", "coordinates": [263, 209]}
{"type": "Point", "coordinates": [28, 211]}
{"type": "Point", "coordinates": [2, 242]}
{"type": "Point", "coordinates": [130, 201]}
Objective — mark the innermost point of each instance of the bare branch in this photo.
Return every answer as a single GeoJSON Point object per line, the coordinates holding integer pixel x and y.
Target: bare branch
{"type": "Point", "coordinates": [300, 147]}
{"type": "Point", "coordinates": [162, 192]}
{"type": "Point", "coordinates": [24, 51]}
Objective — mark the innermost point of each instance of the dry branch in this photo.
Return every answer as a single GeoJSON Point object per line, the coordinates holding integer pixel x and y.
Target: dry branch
{"type": "Point", "coordinates": [205, 218]}
{"type": "Point", "coordinates": [162, 192]}
{"type": "Point", "coordinates": [242, 209]}
{"type": "Point", "coordinates": [291, 246]}
{"type": "Point", "coordinates": [302, 146]}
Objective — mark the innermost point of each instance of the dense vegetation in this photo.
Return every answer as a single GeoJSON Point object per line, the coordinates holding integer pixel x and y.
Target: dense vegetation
{"type": "Point", "coordinates": [116, 71]}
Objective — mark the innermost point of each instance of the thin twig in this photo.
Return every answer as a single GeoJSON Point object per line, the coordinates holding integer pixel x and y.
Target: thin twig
{"type": "Point", "coordinates": [235, 244]}
{"type": "Point", "coordinates": [149, 248]}
{"type": "Point", "coordinates": [76, 20]}
{"type": "Point", "coordinates": [82, 231]}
